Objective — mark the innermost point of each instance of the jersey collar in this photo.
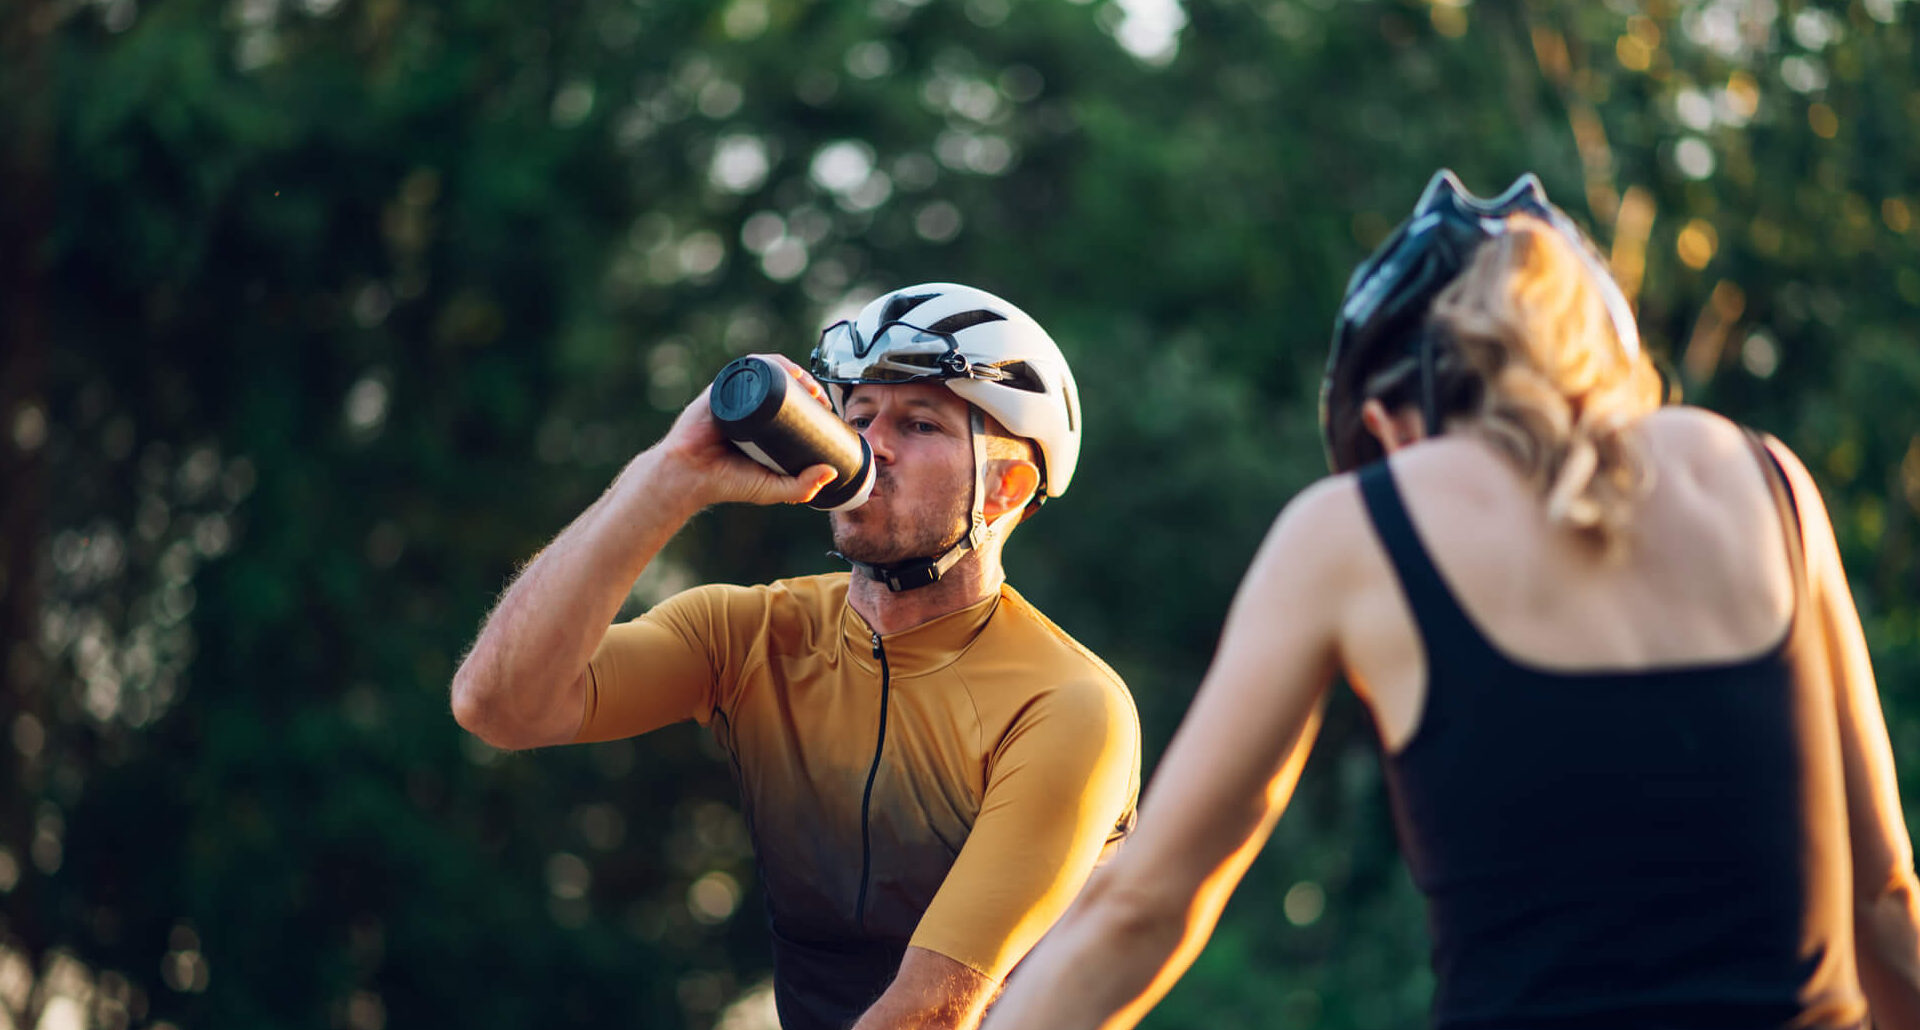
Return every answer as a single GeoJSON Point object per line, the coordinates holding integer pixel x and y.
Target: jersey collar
{"type": "Point", "coordinates": [919, 649]}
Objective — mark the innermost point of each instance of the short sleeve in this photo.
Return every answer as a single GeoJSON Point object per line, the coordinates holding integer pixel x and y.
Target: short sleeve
{"type": "Point", "coordinates": [1063, 780]}
{"type": "Point", "coordinates": [658, 669]}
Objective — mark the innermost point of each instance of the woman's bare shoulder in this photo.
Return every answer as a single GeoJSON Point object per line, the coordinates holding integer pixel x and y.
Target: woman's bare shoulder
{"type": "Point", "coordinates": [1319, 536]}
{"type": "Point", "coordinates": [1325, 512]}
{"type": "Point", "coordinates": [1700, 444]}
{"type": "Point", "coordinates": [1683, 424]}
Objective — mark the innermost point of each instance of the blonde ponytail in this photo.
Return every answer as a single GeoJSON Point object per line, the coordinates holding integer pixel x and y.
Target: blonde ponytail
{"type": "Point", "coordinates": [1559, 392]}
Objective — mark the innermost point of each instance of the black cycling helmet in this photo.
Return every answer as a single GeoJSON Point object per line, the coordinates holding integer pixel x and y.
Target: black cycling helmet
{"type": "Point", "coordinates": [1382, 319]}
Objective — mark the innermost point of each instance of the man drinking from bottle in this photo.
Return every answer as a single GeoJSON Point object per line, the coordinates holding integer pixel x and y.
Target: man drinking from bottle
{"type": "Point", "coordinates": [929, 767]}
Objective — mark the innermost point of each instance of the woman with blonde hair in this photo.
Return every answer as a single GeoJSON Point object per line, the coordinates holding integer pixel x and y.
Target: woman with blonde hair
{"type": "Point", "coordinates": [1631, 734]}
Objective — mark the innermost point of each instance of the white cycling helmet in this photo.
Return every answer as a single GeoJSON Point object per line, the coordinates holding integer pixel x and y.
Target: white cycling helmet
{"type": "Point", "coordinates": [990, 353]}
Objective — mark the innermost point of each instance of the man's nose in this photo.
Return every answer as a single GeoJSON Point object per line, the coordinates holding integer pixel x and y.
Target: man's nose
{"type": "Point", "coordinates": [880, 440]}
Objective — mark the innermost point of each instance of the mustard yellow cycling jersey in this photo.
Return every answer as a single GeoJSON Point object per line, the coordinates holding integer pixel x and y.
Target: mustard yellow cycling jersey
{"type": "Point", "coordinates": [949, 786]}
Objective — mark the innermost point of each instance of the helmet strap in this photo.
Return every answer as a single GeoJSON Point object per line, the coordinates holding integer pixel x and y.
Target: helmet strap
{"type": "Point", "coordinates": [977, 518]}
{"type": "Point", "coordinates": [1429, 389]}
{"type": "Point", "coordinates": [913, 573]}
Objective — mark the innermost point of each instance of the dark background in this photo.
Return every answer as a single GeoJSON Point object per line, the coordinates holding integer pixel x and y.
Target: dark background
{"type": "Point", "coordinates": [317, 318]}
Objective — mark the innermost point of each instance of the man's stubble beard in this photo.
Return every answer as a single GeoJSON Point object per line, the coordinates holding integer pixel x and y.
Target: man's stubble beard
{"type": "Point", "coordinates": [911, 531]}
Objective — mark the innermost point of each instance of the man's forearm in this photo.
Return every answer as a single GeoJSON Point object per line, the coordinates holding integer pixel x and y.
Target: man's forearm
{"type": "Point", "coordinates": [885, 1015]}
{"type": "Point", "coordinates": [931, 992]}
{"type": "Point", "coordinates": [521, 685]}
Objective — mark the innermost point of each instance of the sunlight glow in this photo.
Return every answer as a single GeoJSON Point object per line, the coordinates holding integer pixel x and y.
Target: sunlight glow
{"type": "Point", "coordinates": [1150, 29]}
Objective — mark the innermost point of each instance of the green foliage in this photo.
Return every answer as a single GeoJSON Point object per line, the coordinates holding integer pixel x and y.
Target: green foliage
{"type": "Point", "coordinates": [352, 304]}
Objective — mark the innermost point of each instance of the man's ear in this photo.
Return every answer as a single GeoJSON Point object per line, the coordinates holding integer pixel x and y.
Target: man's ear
{"type": "Point", "coordinates": [1011, 483]}
{"type": "Point", "coordinates": [1394, 430]}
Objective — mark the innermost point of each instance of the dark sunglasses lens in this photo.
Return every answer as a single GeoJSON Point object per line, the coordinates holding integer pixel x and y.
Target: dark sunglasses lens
{"type": "Point", "coordinates": [839, 340]}
{"type": "Point", "coordinates": [901, 337]}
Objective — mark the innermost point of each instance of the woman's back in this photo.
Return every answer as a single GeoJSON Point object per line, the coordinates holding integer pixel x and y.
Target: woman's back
{"type": "Point", "coordinates": [1617, 781]}
{"type": "Point", "coordinates": [1703, 578]}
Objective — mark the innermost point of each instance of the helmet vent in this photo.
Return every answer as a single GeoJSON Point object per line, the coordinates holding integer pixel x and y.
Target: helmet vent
{"type": "Point", "coordinates": [1020, 376]}
{"type": "Point", "coordinates": [965, 320]}
{"type": "Point", "coordinates": [900, 304]}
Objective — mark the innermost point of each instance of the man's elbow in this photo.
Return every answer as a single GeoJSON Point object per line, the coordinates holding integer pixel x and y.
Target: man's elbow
{"type": "Point", "coordinates": [479, 707]}
{"type": "Point", "coordinates": [471, 708]}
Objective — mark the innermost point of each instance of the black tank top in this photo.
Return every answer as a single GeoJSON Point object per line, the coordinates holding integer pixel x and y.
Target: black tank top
{"type": "Point", "coordinates": [1658, 849]}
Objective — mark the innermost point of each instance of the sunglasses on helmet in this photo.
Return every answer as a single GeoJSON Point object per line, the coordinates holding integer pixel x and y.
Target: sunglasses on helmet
{"type": "Point", "coordinates": [898, 352]}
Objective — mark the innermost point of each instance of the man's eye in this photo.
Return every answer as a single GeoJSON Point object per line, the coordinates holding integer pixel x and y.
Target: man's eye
{"type": "Point", "coordinates": [860, 421]}
{"type": "Point", "coordinates": [925, 427]}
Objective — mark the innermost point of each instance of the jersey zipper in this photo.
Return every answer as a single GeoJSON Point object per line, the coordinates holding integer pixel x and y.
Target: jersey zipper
{"type": "Point", "coordinates": [866, 799]}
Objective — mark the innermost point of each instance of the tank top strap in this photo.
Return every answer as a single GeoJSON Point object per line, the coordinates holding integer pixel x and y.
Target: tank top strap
{"type": "Point", "coordinates": [1787, 507]}
{"type": "Point", "coordinates": [1450, 638]}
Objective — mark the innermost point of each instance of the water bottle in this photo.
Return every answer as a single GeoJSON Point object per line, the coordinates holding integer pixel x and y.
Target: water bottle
{"type": "Point", "coordinates": [766, 413]}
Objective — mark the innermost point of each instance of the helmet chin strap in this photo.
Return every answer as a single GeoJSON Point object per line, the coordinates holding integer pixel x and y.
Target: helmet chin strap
{"type": "Point", "coordinates": [913, 573]}
{"type": "Point", "coordinates": [1429, 390]}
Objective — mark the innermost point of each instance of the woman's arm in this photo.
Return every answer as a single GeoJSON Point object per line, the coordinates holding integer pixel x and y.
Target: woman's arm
{"type": "Point", "coordinates": [1221, 785]}
{"type": "Point", "coordinates": [1885, 895]}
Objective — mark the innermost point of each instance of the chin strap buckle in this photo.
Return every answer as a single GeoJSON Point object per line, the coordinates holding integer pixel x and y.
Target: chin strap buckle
{"type": "Point", "coordinates": [911, 574]}
{"type": "Point", "coordinates": [918, 574]}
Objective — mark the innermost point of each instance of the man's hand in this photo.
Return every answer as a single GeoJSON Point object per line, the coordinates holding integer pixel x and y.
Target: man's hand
{"type": "Point", "coordinates": [703, 467]}
{"type": "Point", "coordinates": [931, 992]}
